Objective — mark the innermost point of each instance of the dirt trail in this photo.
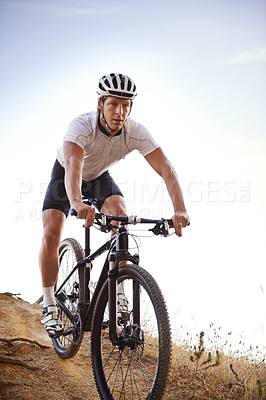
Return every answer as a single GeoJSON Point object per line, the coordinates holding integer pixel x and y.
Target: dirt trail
{"type": "Point", "coordinates": [44, 375]}
{"type": "Point", "coordinates": [34, 371]}
{"type": "Point", "coordinates": [30, 370]}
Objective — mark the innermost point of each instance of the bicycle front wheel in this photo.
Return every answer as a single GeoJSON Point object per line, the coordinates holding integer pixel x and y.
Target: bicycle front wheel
{"type": "Point", "coordinates": [138, 366]}
{"type": "Point", "coordinates": [67, 345]}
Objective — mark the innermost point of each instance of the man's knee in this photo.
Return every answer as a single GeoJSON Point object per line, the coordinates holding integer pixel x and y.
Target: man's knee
{"type": "Point", "coordinates": [51, 239]}
{"type": "Point", "coordinates": [52, 229]}
{"type": "Point", "coordinates": [114, 205]}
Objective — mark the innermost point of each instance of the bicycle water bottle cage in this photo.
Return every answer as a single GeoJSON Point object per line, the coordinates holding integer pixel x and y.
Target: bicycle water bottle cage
{"type": "Point", "coordinates": [161, 228]}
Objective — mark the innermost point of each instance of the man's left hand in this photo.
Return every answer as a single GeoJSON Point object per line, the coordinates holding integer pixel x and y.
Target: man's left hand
{"type": "Point", "coordinates": [180, 220]}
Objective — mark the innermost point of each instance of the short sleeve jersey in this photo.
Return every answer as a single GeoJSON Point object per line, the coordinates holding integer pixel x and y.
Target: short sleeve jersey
{"type": "Point", "coordinates": [102, 151]}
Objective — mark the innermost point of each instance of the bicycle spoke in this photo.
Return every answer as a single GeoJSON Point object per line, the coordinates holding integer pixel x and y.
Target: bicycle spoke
{"type": "Point", "coordinates": [137, 365]}
{"type": "Point", "coordinates": [70, 253]}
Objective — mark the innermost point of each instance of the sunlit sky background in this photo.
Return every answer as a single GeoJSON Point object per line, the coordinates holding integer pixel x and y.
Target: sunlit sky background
{"type": "Point", "coordinates": [199, 66]}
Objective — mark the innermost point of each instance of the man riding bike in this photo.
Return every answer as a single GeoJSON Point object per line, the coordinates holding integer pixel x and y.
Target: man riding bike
{"type": "Point", "coordinates": [93, 143]}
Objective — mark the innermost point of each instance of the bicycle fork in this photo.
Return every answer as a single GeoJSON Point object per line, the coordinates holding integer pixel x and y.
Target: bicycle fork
{"type": "Point", "coordinates": [115, 258]}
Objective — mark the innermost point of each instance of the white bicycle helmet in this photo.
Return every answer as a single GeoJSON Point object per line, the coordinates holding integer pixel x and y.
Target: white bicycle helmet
{"type": "Point", "coordinates": [117, 85]}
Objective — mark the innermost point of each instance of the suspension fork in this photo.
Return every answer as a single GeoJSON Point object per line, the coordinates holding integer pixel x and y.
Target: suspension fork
{"type": "Point", "coordinates": [115, 258]}
{"type": "Point", "coordinates": [136, 303]}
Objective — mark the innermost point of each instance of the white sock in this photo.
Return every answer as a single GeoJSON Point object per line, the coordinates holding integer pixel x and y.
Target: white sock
{"type": "Point", "coordinates": [48, 296]}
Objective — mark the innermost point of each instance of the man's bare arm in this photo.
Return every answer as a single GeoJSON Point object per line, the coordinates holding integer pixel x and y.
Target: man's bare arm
{"type": "Point", "coordinates": [74, 158]}
{"type": "Point", "coordinates": [163, 167]}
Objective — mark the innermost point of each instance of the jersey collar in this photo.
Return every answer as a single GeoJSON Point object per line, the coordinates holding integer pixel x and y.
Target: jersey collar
{"type": "Point", "coordinates": [107, 134]}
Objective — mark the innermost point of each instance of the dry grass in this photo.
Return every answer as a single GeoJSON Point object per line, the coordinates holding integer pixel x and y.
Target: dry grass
{"type": "Point", "coordinates": [203, 367]}
{"type": "Point", "coordinates": [198, 373]}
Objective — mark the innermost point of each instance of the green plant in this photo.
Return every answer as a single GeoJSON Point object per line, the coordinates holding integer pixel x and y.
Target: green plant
{"type": "Point", "coordinates": [198, 353]}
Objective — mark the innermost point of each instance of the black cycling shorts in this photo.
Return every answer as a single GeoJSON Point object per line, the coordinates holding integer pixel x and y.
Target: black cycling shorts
{"type": "Point", "coordinates": [100, 189]}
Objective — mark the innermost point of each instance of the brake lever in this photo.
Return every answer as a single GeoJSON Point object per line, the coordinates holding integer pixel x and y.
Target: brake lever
{"type": "Point", "coordinates": [162, 228]}
{"type": "Point", "coordinates": [100, 220]}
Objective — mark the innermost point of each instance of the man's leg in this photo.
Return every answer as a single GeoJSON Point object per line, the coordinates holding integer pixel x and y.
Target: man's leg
{"type": "Point", "coordinates": [53, 221]}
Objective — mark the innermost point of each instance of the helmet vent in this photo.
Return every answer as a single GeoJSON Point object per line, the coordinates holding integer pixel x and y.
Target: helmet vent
{"type": "Point", "coordinates": [107, 82]}
{"type": "Point", "coordinates": [117, 85]}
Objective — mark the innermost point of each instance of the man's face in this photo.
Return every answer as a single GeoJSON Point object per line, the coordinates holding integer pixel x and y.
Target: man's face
{"type": "Point", "coordinates": [115, 111]}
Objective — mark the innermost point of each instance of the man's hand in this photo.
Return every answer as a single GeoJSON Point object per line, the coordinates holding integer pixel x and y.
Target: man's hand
{"type": "Point", "coordinates": [180, 220]}
{"type": "Point", "coordinates": [84, 212]}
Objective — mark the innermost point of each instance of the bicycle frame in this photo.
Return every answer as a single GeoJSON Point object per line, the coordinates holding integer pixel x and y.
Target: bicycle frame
{"type": "Point", "coordinates": [110, 272]}
{"type": "Point", "coordinates": [126, 314]}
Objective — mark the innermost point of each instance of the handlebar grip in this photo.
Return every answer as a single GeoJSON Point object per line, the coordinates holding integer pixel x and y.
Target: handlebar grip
{"type": "Point", "coordinates": [73, 212]}
{"type": "Point", "coordinates": [171, 224]}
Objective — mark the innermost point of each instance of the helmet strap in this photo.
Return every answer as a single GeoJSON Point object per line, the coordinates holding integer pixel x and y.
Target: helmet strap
{"type": "Point", "coordinates": [102, 117]}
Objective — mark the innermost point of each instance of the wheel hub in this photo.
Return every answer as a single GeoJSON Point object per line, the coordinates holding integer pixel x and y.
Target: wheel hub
{"type": "Point", "coordinates": [132, 337]}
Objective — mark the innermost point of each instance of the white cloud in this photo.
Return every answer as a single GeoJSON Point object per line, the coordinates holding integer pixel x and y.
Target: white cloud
{"type": "Point", "coordinates": [255, 55]}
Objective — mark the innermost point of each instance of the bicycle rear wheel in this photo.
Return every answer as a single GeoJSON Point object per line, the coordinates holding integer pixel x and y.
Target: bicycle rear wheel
{"type": "Point", "coordinates": [67, 345]}
{"type": "Point", "coordinates": [136, 368]}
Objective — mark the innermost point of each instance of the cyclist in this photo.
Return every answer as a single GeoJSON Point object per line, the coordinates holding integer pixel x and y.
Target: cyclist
{"type": "Point", "coordinates": [93, 142]}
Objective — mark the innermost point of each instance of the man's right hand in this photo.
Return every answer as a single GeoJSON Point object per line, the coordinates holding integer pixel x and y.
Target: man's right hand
{"type": "Point", "coordinates": [84, 212]}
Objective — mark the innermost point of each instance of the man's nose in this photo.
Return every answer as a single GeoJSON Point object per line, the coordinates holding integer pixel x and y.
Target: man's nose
{"type": "Point", "coordinates": [119, 109]}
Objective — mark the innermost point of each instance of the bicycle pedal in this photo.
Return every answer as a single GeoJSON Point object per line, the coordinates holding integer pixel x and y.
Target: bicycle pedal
{"type": "Point", "coordinates": [68, 331]}
{"type": "Point", "coordinates": [55, 335]}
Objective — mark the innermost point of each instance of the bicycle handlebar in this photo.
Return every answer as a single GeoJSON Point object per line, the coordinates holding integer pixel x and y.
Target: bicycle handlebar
{"type": "Point", "coordinates": [131, 219]}
{"type": "Point", "coordinates": [161, 225]}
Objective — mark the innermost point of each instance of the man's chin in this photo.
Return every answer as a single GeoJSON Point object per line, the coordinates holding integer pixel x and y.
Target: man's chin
{"type": "Point", "coordinates": [116, 127]}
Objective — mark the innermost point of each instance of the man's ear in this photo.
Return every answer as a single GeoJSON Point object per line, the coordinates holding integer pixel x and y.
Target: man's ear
{"type": "Point", "coordinates": [100, 103]}
{"type": "Point", "coordinates": [130, 108]}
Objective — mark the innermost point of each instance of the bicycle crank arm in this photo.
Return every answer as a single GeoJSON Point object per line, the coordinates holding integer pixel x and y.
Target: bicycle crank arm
{"type": "Point", "coordinates": [70, 330]}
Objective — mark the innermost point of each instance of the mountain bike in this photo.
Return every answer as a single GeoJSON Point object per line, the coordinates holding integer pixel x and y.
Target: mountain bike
{"type": "Point", "coordinates": [126, 315]}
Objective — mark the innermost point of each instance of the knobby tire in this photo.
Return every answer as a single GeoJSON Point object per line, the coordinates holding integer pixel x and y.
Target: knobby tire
{"type": "Point", "coordinates": [70, 252]}
{"type": "Point", "coordinates": [137, 368]}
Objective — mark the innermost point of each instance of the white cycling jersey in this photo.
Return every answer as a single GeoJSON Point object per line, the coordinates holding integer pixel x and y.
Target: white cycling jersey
{"type": "Point", "coordinates": [102, 151]}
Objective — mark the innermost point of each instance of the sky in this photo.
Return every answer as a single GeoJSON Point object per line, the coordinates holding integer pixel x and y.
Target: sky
{"type": "Point", "coordinates": [199, 67]}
